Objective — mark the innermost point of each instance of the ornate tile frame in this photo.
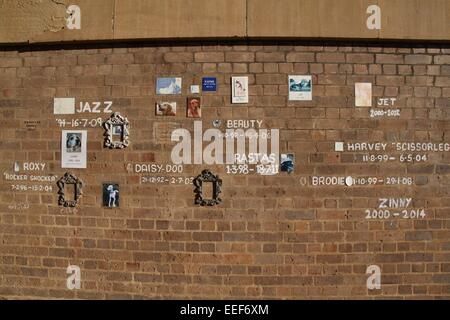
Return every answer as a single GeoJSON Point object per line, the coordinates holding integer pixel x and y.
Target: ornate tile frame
{"type": "Point", "coordinates": [117, 120]}
{"type": "Point", "coordinates": [207, 176]}
{"type": "Point", "coordinates": [69, 178]}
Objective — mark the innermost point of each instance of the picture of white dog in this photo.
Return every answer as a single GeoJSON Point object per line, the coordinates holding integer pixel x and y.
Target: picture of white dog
{"type": "Point", "coordinates": [168, 85]}
{"type": "Point", "coordinates": [111, 195]}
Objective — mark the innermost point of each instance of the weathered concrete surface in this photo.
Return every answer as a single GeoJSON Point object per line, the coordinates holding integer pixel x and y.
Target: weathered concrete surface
{"type": "Point", "coordinates": [179, 19]}
{"type": "Point", "coordinates": [44, 20]}
{"type": "Point", "coordinates": [309, 18]}
{"type": "Point", "coordinates": [415, 19]}
{"type": "Point", "coordinates": [97, 18]}
{"type": "Point", "coordinates": [20, 20]}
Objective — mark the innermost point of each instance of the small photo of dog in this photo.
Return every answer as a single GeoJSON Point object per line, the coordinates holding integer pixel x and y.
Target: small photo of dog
{"type": "Point", "coordinates": [166, 109]}
{"type": "Point", "coordinates": [287, 163]}
{"type": "Point", "coordinates": [168, 85]}
{"type": "Point", "coordinates": [111, 195]}
{"type": "Point", "coordinates": [194, 108]}
{"type": "Point", "coordinates": [117, 130]}
{"type": "Point", "coordinates": [73, 142]}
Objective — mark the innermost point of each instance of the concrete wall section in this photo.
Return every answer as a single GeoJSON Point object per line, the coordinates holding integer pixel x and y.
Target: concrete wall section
{"type": "Point", "coordinates": [179, 19]}
{"type": "Point", "coordinates": [21, 20]}
{"type": "Point", "coordinates": [309, 19]}
{"type": "Point", "coordinates": [415, 19]}
{"type": "Point", "coordinates": [97, 23]}
{"type": "Point", "coordinates": [43, 21]}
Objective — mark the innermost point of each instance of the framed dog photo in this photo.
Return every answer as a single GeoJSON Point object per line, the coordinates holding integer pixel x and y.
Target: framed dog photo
{"type": "Point", "coordinates": [117, 131]}
{"type": "Point", "coordinates": [168, 86]}
{"type": "Point", "coordinates": [73, 148]}
{"type": "Point", "coordinates": [194, 108]}
{"type": "Point", "coordinates": [300, 88]}
{"type": "Point", "coordinates": [166, 109]}
{"type": "Point", "coordinates": [287, 163]}
{"type": "Point", "coordinates": [239, 89]}
{"type": "Point", "coordinates": [69, 190]}
{"type": "Point", "coordinates": [111, 195]}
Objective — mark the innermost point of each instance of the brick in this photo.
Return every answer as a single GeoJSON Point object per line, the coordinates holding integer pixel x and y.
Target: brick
{"type": "Point", "coordinates": [120, 58]}
{"type": "Point", "coordinates": [60, 252]}
{"type": "Point", "coordinates": [178, 57]}
{"type": "Point", "coordinates": [360, 69]}
{"type": "Point", "coordinates": [390, 80]}
{"type": "Point", "coordinates": [442, 278]}
{"type": "Point", "coordinates": [36, 61]}
{"type": "Point", "coordinates": [11, 62]}
{"type": "Point", "coordinates": [419, 257]}
{"type": "Point", "coordinates": [300, 215]}
{"type": "Point", "coordinates": [92, 59]}
{"type": "Point", "coordinates": [300, 68]}
{"type": "Point", "coordinates": [418, 59]}
{"type": "Point", "coordinates": [207, 236]}
{"type": "Point", "coordinates": [330, 57]}
{"type": "Point", "coordinates": [270, 57]}
{"type": "Point", "coordinates": [256, 67]}
{"type": "Point", "coordinates": [389, 69]}
{"type": "Point", "coordinates": [389, 58]}
{"type": "Point", "coordinates": [239, 56]}
{"type": "Point", "coordinates": [270, 67]}
{"type": "Point", "coordinates": [148, 57]}
{"type": "Point", "coordinates": [209, 67]}
{"type": "Point", "coordinates": [443, 169]}
{"type": "Point", "coordinates": [331, 79]}
{"type": "Point", "coordinates": [316, 68]}
{"type": "Point", "coordinates": [360, 58]}
{"type": "Point", "coordinates": [300, 57]}
{"type": "Point", "coordinates": [330, 258]}
{"type": "Point", "coordinates": [240, 68]}
{"type": "Point", "coordinates": [442, 59]}
{"type": "Point", "coordinates": [142, 277]}
{"type": "Point", "coordinates": [328, 280]}
{"type": "Point", "coordinates": [209, 57]}
{"type": "Point", "coordinates": [442, 81]}
{"type": "Point", "coordinates": [271, 79]}
{"type": "Point", "coordinates": [445, 70]}
{"type": "Point", "coordinates": [433, 70]}
{"type": "Point", "coordinates": [226, 68]}
{"type": "Point", "coordinates": [418, 236]}
{"type": "Point", "coordinates": [405, 70]}
{"type": "Point", "coordinates": [63, 60]}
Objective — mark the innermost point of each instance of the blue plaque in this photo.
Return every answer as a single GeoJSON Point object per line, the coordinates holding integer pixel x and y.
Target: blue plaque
{"type": "Point", "coordinates": [209, 84]}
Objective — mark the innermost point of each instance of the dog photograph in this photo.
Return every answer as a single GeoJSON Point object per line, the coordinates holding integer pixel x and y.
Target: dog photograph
{"type": "Point", "coordinates": [300, 87]}
{"type": "Point", "coordinates": [166, 109]}
{"type": "Point", "coordinates": [73, 142]}
{"type": "Point", "coordinates": [287, 163]}
{"type": "Point", "coordinates": [193, 108]}
{"type": "Point", "coordinates": [117, 130]}
{"type": "Point", "coordinates": [110, 195]}
{"type": "Point", "coordinates": [168, 85]}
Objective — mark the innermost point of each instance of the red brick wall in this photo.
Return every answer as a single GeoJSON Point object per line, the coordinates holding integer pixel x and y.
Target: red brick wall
{"type": "Point", "coordinates": [271, 237]}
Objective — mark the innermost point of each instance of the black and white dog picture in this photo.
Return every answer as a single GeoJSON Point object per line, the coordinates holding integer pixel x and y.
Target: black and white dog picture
{"type": "Point", "coordinates": [73, 142]}
{"type": "Point", "coordinates": [111, 195]}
